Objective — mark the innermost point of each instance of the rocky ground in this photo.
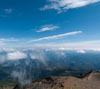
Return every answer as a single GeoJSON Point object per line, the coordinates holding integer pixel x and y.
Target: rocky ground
{"type": "Point", "coordinates": [86, 81]}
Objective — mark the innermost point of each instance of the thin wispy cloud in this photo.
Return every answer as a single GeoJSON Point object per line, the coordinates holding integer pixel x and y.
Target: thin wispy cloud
{"type": "Point", "coordinates": [4, 41]}
{"type": "Point", "coordinates": [8, 10]}
{"type": "Point", "coordinates": [63, 5]}
{"type": "Point", "coordinates": [3, 15]}
{"type": "Point", "coordinates": [8, 40]}
{"type": "Point", "coordinates": [47, 28]}
{"type": "Point", "coordinates": [57, 36]}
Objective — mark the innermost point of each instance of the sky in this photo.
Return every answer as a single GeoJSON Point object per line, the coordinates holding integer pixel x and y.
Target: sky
{"type": "Point", "coordinates": [71, 23]}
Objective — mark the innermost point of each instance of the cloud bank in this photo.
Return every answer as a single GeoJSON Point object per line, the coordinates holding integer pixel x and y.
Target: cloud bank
{"type": "Point", "coordinates": [62, 5]}
{"type": "Point", "coordinates": [39, 53]}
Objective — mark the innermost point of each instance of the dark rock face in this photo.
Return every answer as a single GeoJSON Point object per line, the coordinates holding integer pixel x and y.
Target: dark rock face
{"type": "Point", "coordinates": [18, 87]}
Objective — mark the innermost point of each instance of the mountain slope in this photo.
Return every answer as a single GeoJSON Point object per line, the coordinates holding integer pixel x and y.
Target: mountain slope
{"type": "Point", "coordinates": [89, 81]}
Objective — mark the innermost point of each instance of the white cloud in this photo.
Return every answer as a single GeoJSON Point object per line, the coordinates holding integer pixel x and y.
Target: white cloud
{"type": "Point", "coordinates": [21, 77]}
{"type": "Point", "coordinates": [62, 5]}
{"type": "Point", "coordinates": [16, 55]}
{"type": "Point", "coordinates": [2, 58]}
{"type": "Point", "coordinates": [83, 45]}
{"type": "Point", "coordinates": [57, 36]}
{"type": "Point", "coordinates": [8, 40]}
{"type": "Point", "coordinates": [47, 28]}
{"type": "Point", "coordinates": [2, 43]}
{"type": "Point", "coordinates": [38, 52]}
{"type": "Point", "coordinates": [39, 55]}
{"type": "Point", "coordinates": [3, 49]}
{"type": "Point", "coordinates": [80, 51]}
{"type": "Point", "coordinates": [8, 10]}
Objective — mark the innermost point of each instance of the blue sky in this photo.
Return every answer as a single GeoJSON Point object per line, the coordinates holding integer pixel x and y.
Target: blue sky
{"type": "Point", "coordinates": [29, 22]}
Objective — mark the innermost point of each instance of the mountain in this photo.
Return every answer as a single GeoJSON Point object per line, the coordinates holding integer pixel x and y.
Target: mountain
{"type": "Point", "coordinates": [41, 64]}
{"type": "Point", "coordinates": [89, 80]}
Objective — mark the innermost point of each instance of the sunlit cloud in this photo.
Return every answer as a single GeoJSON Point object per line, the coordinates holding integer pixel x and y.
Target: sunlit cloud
{"type": "Point", "coordinates": [47, 28]}
{"type": "Point", "coordinates": [81, 51]}
{"type": "Point", "coordinates": [16, 55]}
{"type": "Point", "coordinates": [63, 5]}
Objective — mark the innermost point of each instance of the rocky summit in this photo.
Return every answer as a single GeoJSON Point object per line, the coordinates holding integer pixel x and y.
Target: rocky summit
{"type": "Point", "coordinates": [89, 80]}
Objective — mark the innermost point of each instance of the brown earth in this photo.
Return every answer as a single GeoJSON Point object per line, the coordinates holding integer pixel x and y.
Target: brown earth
{"type": "Point", "coordinates": [87, 81]}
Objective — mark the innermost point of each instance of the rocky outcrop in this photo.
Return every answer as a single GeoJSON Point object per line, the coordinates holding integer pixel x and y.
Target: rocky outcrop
{"type": "Point", "coordinates": [6, 87]}
{"type": "Point", "coordinates": [89, 80]}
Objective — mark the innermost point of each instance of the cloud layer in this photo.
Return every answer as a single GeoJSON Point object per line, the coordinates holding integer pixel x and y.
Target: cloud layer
{"type": "Point", "coordinates": [62, 5]}
{"type": "Point", "coordinates": [87, 45]}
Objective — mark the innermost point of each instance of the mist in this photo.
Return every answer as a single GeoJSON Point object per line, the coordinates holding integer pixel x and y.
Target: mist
{"type": "Point", "coordinates": [29, 64]}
